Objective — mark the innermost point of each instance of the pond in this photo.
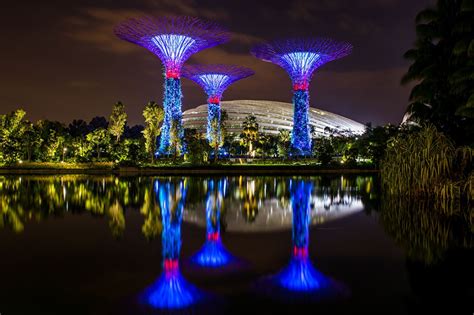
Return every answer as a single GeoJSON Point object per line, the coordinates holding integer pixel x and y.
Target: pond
{"type": "Point", "coordinates": [75, 244]}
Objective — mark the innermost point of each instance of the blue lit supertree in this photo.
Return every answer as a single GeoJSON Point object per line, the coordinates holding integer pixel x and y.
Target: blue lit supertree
{"type": "Point", "coordinates": [300, 58]}
{"type": "Point", "coordinates": [171, 290]}
{"type": "Point", "coordinates": [213, 254]}
{"type": "Point", "coordinates": [173, 40]}
{"type": "Point", "coordinates": [215, 79]}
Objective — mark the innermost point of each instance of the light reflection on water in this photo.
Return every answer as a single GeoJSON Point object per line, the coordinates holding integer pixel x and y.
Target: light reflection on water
{"type": "Point", "coordinates": [220, 205]}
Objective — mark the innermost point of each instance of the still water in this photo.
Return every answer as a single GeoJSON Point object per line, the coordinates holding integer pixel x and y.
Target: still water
{"type": "Point", "coordinates": [227, 245]}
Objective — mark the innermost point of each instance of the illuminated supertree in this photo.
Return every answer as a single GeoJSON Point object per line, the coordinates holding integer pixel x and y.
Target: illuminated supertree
{"type": "Point", "coordinates": [171, 290]}
{"type": "Point", "coordinates": [300, 58]}
{"type": "Point", "coordinates": [215, 79]}
{"type": "Point", "coordinates": [173, 40]}
{"type": "Point", "coordinates": [213, 254]}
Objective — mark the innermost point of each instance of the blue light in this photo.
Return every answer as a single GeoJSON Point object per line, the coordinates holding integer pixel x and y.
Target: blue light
{"type": "Point", "coordinates": [213, 112]}
{"type": "Point", "coordinates": [301, 63]}
{"type": "Point", "coordinates": [172, 103]}
{"type": "Point", "coordinates": [171, 290]}
{"type": "Point", "coordinates": [301, 137]}
{"type": "Point", "coordinates": [213, 253]}
{"type": "Point", "coordinates": [214, 84]}
{"type": "Point", "coordinates": [173, 48]}
{"type": "Point", "coordinates": [300, 275]}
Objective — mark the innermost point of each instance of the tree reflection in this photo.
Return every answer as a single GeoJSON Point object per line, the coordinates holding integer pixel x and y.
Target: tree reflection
{"type": "Point", "coordinates": [213, 253]}
{"type": "Point", "coordinates": [171, 290]}
{"type": "Point", "coordinates": [423, 230]}
{"type": "Point", "coordinates": [300, 276]}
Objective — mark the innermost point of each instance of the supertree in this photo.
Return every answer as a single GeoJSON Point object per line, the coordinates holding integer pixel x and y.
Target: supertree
{"type": "Point", "coordinates": [300, 58]}
{"type": "Point", "coordinates": [215, 79]}
{"type": "Point", "coordinates": [173, 40]}
{"type": "Point", "coordinates": [213, 253]}
{"type": "Point", "coordinates": [171, 290]}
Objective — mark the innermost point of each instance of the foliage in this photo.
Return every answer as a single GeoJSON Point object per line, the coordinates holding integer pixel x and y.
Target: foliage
{"type": "Point", "coordinates": [426, 163]}
{"type": "Point", "coordinates": [198, 147]}
{"type": "Point", "coordinates": [176, 144]}
{"type": "Point", "coordinates": [423, 229]}
{"type": "Point", "coordinates": [284, 142]}
{"type": "Point", "coordinates": [117, 121]}
{"type": "Point", "coordinates": [250, 134]}
{"type": "Point", "coordinates": [100, 139]}
{"type": "Point", "coordinates": [153, 115]}
{"type": "Point", "coordinates": [12, 130]}
{"type": "Point", "coordinates": [442, 68]}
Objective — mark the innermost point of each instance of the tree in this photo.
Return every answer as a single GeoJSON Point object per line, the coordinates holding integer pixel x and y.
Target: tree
{"type": "Point", "coordinates": [31, 139]}
{"type": "Point", "coordinates": [176, 146]}
{"type": "Point", "coordinates": [249, 135]}
{"type": "Point", "coordinates": [50, 132]}
{"type": "Point", "coordinates": [78, 128]}
{"type": "Point", "coordinates": [323, 150]}
{"type": "Point", "coordinates": [218, 133]}
{"type": "Point", "coordinates": [54, 147]}
{"type": "Point", "coordinates": [373, 143]}
{"type": "Point", "coordinates": [284, 143]}
{"type": "Point", "coordinates": [197, 146]}
{"type": "Point", "coordinates": [442, 68]}
{"type": "Point", "coordinates": [153, 115]}
{"type": "Point", "coordinates": [81, 149]}
{"type": "Point", "coordinates": [98, 138]}
{"type": "Point", "coordinates": [117, 121]}
{"type": "Point", "coordinates": [12, 130]}
{"type": "Point", "coordinates": [98, 122]}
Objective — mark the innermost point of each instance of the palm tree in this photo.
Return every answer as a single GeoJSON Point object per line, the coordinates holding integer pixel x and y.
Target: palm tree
{"type": "Point", "coordinates": [442, 68]}
{"type": "Point", "coordinates": [249, 135]}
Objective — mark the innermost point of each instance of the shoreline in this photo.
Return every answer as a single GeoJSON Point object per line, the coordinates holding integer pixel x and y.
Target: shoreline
{"type": "Point", "coordinates": [188, 170]}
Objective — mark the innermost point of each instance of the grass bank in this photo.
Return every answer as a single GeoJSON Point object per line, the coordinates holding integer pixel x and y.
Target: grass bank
{"type": "Point", "coordinates": [299, 168]}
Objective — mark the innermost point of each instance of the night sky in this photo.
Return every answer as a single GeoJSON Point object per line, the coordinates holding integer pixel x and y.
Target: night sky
{"type": "Point", "coordinates": [61, 61]}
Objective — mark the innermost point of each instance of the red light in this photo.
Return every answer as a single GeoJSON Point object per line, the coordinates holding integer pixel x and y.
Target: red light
{"type": "Point", "coordinates": [213, 236]}
{"type": "Point", "coordinates": [172, 73]}
{"type": "Point", "coordinates": [303, 86]}
{"type": "Point", "coordinates": [170, 264]}
{"type": "Point", "coordinates": [214, 100]}
{"type": "Point", "coordinates": [300, 252]}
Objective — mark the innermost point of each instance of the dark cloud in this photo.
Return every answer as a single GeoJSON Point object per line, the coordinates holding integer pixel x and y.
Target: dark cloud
{"type": "Point", "coordinates": [61, 60]}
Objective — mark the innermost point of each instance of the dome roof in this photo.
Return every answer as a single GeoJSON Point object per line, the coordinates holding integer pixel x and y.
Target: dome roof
{"type": "Point", "coordinates": [271, 117]}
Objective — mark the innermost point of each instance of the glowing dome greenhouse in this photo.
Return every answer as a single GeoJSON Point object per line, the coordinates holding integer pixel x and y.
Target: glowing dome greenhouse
{"type": "Point", "coordinates": [271, 117]}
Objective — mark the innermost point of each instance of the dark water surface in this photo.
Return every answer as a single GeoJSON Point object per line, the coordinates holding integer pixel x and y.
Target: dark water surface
{"type": "Point", "coordinates": [226, 245]}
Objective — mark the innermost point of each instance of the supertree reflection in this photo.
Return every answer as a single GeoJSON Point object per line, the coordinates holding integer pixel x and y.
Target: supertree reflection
{"type": "Point", "coordinates": [213, 252]}
{"type": "Point", "coordinates": [171, 290]}
{"type": "Point", "coordinates": [299, 275]}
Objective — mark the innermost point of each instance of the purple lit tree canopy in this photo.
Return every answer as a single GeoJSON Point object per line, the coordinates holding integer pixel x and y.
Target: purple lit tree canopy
{"type": "Point", "coordinates": [215, 79]}
{"type": "Point", "coordinates": [300, 58]}
{"type": "Point", "coordinates": [173, 40]}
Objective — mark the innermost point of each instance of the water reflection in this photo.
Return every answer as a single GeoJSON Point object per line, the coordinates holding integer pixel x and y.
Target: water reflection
{"type": "Point", "coordinates": [252, 203]}
{"type": "Point", "coordinates": [171, 290]}
{"type": "Point", "coordinates": [213, 253]}
{"type": "Point", "coordinates": [257, 204]}
{"type": "Point", "coordinates": [299, 275]}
